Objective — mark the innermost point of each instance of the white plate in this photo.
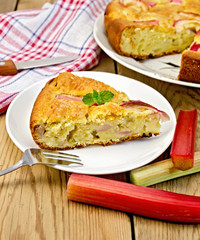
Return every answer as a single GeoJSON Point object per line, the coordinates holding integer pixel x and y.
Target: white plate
{"type": "Point", "coordinates": [155, 68]}
{"type": "Point", "coordinates": [98, 159]}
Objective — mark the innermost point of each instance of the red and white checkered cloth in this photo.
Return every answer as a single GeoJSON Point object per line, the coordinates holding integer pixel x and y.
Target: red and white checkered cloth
{"type": "Point", "coordinates": [64, 28]}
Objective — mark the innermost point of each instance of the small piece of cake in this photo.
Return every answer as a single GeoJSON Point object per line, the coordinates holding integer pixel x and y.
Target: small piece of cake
{"type": "Point", "coordinates": [190, 62]}
{"type": "Point", "coordinates": [61, 120]}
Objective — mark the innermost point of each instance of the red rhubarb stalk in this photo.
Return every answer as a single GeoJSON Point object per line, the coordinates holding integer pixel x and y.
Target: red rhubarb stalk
{"type": "Point", "coordinates": [139, 200]}
{"type": "Point", "coordinates": [183, 145]}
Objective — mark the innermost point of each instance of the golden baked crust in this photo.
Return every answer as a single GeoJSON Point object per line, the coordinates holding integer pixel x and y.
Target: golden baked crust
{"type": "Point", "coordinates": [68, 84]}
{"type": "Point", "coordinates": [143, 29]}
{"type": "Point", "coordinates": [190, 67]}
{"type": "Point", "coordinates": [190, 62]}
{"type": "Point", "coordinates": [60, 120]}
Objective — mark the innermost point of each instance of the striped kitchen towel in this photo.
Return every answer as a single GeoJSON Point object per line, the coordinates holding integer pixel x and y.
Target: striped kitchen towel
{"type": "Point", "coordinates": [60, 29]}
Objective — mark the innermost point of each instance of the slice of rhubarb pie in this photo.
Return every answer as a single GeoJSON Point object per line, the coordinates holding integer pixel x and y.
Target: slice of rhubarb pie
{"type": "Point", "coordinates": [73, 111]}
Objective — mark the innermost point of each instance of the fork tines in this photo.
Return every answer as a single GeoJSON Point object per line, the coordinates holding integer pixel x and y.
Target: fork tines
{"type": "Point", "coordinates": [57, 155]}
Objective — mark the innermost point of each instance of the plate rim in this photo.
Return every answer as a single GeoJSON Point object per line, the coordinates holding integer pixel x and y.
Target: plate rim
{"type": "Point", "coordinates": [125, 169]}
{"type": "Point", "coordinates": [115, 56]}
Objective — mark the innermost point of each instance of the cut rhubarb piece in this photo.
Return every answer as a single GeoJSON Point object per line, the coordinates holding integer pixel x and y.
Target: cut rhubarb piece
{"type": "Point", "coordinates": [176, 1]}
{"type": "Point", "coordinates": [183, 145]}
{"type": "Point", "coordinates": [182, 24]}
{"type": "Point", "coordinates": [195, 47]}
{"type": "Point", "coordinates": [150, 22]}
{"type": "Point", "coordinates": [69, 97]}
{"type": "Point", "coordinates": [179, 24]}
{"type": "Point", "coordinates": [150, 4]}
{"type": "Point", "coordinates": [139, 200]}
{"type": "Point", "coordinates": [139, 105]}
{"type": "Point", "coordinates": [134, 3]}
{"type": "Point", "coordinates": [161, 171]}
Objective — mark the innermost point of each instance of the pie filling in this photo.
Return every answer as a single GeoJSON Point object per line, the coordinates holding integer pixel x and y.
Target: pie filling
{"type": "Point", "coordinates": [135, 43]}
{"type": "Point", "coordinates": [65, 134]}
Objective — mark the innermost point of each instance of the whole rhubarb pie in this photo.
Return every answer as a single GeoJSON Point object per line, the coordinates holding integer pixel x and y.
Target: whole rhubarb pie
{"type": "Point", "coordinates": [152, 28]}
{"type": "Point", "coordinates": [73, 111]}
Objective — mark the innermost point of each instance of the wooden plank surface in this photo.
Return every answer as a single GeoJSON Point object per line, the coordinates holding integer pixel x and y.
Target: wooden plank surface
{"type": "Point", "coordinates": [179, 97]}
{"type": "Point", "coordinates": [33, 202]}
{"type": "Point", "coordinates": [8, 5]}
{"type": "Point", "coordinates": [34, 4]}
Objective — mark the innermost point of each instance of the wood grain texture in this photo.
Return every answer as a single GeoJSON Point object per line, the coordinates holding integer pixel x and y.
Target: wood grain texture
{"type": "Point", "coordinates": [105, 64]}
{"type": "Point", "coordinates": [33, 202]}
{"type": "Point", "coordinates": [8, 5]}
{"type": "Point", "coordinates": [27, 4]}
{"type": "Point", "coordinates": [153, 229]}
{"type": "Point", "coordinates": [179, 97]}
{"type": "Point", "coordinates": [90, 222]}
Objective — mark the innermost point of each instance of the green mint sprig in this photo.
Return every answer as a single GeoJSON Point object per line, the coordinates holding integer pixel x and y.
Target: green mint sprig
{"type": "Point", "coordinates": [98, 98]}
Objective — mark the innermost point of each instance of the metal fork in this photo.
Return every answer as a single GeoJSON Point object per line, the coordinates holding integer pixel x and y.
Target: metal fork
{"type": "Point", "coordinates": [34, 156]}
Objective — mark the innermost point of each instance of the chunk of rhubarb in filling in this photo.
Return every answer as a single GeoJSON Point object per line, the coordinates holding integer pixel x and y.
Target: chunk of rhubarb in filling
{"type": "Point", "coordinates": [137, 104]}
{"type": "Point", "coordinates": [176, 1]}
{"type": "Point", "coordinates": [195, 47]}
{"type": "Point", "coordinates": [69, 97]}
{"type": "Point", "coordinates": [150, 3]}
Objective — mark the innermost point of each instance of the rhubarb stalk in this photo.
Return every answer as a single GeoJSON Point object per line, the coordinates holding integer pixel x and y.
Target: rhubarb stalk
{"type": "Point", "coordinates": [139, 200]}
{"type": "Point", "coordinates": [161, 171]}
{"type": "Point", "coordinates": [183, 145]}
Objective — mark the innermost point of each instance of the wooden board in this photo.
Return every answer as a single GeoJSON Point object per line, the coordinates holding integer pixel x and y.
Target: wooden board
{"type": "Point", "coordinates": [33, 202]}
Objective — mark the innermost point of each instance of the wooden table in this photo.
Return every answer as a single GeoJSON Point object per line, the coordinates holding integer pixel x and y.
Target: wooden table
{"type": "Point", "coordinates": [33, 202]}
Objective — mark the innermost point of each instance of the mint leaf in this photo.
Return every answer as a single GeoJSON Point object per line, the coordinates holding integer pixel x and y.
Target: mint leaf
{"type": "Point", "coordinates": [106, 96]}
{"type": "Point", "coordinates": [98, 98]}
{"type": "Point", "coordinates": [95, 94]}
{"type": "Point", "coordinates": [88, 99]}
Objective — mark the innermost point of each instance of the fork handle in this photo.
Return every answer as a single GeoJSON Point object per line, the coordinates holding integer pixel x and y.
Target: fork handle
{"type": "Point", "coordinates": [12, 168]}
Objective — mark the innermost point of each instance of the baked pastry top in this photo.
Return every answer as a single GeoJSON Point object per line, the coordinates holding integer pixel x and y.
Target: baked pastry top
{"type": "Point", "coordinates": [143, 28]}
{"type": "Point", "coordinates": [151, 28]}
{"type": "Point", "coordinates": [61, 120]}
{"type": "Point", "coordinates": [61, 98]}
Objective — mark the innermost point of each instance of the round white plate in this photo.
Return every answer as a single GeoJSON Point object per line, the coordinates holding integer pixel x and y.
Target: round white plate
{"type": "Point", "coordinates": [98, 159]}
{"type": "Point", "coordinates": [162, 68]}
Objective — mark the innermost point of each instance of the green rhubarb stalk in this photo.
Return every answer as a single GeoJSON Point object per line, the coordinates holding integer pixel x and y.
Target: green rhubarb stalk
{"type": "Point", "coordinates": [161, 171]}
{"type": "Point", "coordinates": [138, 200]}
{"type": "Point", "coordinates": [183, 145]}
